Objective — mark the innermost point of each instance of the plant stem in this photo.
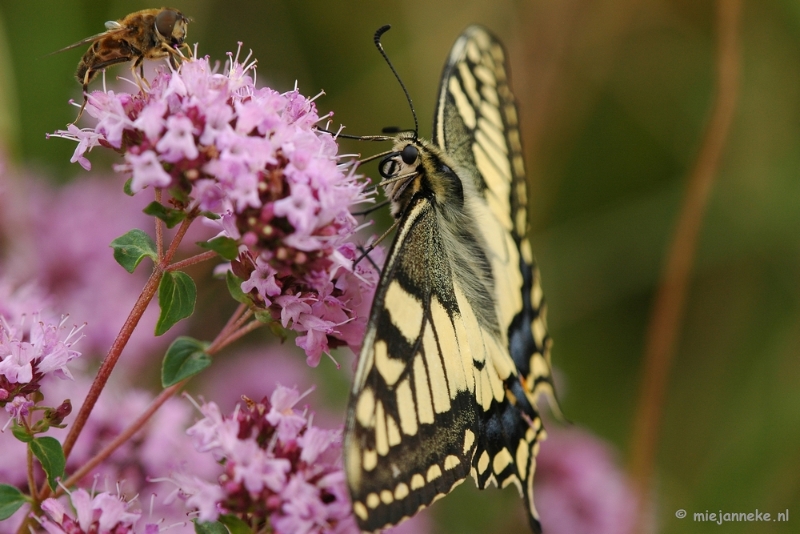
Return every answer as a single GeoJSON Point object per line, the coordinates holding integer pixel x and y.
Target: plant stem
{"type": "Point", "coordinates": [31, 479]}
{"type": "Point", "coordinates": [124, 436]}
{"type": "Point", "coordinates": [233, 336]}
{"type": "Point", "coordinates": [119, 344]}
{"type": "Point", "coordinates": [159, 229]}
{"type": "Point", "coordinates": [224, 338]}
{"type": "Point", "coordinates": [670, 300]}
{"type": "Point", "coordinates": [199, 258]}
{"type": "Point", "coordinates": [112, 357]}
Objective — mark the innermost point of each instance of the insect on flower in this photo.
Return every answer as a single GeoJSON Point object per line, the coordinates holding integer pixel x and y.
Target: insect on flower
{"type": "Point", "coordinates": [148, 34]}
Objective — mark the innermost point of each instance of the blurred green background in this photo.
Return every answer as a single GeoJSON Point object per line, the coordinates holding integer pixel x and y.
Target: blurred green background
{"type": "Point", "coordinates": [614, 97]}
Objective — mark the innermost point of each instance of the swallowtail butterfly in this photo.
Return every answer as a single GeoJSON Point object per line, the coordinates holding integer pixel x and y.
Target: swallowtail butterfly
{"type": "Point", "coordinates": [456, 350]}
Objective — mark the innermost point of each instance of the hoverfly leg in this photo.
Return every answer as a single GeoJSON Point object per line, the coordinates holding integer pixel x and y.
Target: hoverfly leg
{"type": "Point", "coordinates": [85, 92]}
{"type": "Point", "coordinates": [138, 77]}
{"type": "Point", "coordinates": [83, 106]}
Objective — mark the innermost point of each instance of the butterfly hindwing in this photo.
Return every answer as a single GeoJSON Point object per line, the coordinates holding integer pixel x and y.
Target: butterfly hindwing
{"type": "Point", "coordinates": [456, 347]}
{"type": "Point", "coordinates": [477, 124]}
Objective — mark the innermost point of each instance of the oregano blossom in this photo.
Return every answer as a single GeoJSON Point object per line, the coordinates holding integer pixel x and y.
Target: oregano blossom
{"type": "Point", "coordinates": [278, 469]}
{"type": "Point", "coordinates": [252, 160]}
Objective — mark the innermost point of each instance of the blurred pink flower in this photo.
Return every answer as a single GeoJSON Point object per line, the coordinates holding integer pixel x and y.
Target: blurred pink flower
{"type": "Point", "coordinates": [160, 448]}
{"type": "Point", "coordinates": [579, 488]}
{"type": "Point", "coordinates": [101, 513]}
{"type": "Point", "coordinates": [251, 371]}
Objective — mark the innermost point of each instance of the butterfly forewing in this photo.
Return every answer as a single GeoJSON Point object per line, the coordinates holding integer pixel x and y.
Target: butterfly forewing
{"type": "Point", "coordinates": [456, 347]}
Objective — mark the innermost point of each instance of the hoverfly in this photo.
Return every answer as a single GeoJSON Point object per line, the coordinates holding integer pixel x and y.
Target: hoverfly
{"type": "Point", "coordinates": [148, 34]}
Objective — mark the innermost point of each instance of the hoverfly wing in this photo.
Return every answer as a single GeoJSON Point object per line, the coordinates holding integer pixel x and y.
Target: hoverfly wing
{"type": "Point", "coordinates": [87, 40]}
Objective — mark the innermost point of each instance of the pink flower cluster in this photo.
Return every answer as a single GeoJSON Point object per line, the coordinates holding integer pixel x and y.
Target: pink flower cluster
{"type": "Point", "coordinates": [31, 348]}
{"type": "Point", "coordinates": [279, 469]}
{"type": "Point", "coordinates": [253, 158]}
{"type": "Point", "coordinates": [102, 513]}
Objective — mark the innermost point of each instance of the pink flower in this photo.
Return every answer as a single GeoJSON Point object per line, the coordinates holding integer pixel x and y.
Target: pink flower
{"type": "Point", "coordinates": [110, 110]}
{"type": "Point", "coordinates": [31, 349]}
{"type": "Point", "coordinates": [279, 470]}
{"type": "Point", "coordinates": [146, 171]}
{"type": "Point", "coordinates": [102, 513]}
{"type": "Point", "coordinates": [283, 416]}
{"type": "Point", "coordinates": [580, 488]}
{"type": "Point", "coordinates": [151, 120]}
{"type": "Point", "coordinates": [199, 495]}
{"type": "Point", "coordinates": [178, 142]}
{"type": "Point", "coordinates": [19, 407]}
{"type": "Point", "coordinates": [87, 139]}
{"type": "Point", "coordinates": [262, 280]}
{"type": "Point", "coordinates": [316, 442]}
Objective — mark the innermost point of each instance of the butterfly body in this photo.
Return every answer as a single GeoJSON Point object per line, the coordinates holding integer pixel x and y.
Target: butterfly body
{"type": "Point", "coordinates": [456, 349]}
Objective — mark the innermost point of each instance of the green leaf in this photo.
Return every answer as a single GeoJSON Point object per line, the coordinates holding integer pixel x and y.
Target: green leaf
{"type": "Point", "coordinates": [170, 216]}
{"type": "Point", "coordinates": [263, 316]}
{"type": "Point", "coordinates": [224, 246]}
{"type": "Point", "coordinates": [176, 297]}
{"type": "Point", "coordinates": [10, 500]}
{"type": "Point", "coordinates": [21, 433]}
{"type": "Point", "coordinates": [127, 187]}
{"type": "Point", "coordinates": [180, 194]}
{"type": "Point", "coordinates": [132, 247]}
{"type": "Point", "coordinates": [210, 215]}
{"type": "Point", "coordinates": [185, 357]}
{"type": "Point", "coordinates": [235, 525]}
{"type": "Point", "coordinates": [211, 527]}
{"type": "Point", "coordinates": [275, 328]}
{"type": "Point", "coordinates": [50, 454]}
{"type": "Point", "coordinates": [235, 288]}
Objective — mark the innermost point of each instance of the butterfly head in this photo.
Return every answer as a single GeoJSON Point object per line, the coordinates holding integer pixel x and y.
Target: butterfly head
{"type": "Point", "coordinates": [400, 161]}
{"type": "Point", "coordinates": [415, 166]}
{"type": "Point", "coordinates": [399, 170]}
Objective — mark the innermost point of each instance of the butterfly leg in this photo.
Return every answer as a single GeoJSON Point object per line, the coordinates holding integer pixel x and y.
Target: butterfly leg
{"type": "Point", "coordinates": [376, 207]}
{"type": "Point", "coordinates": [369, 248]}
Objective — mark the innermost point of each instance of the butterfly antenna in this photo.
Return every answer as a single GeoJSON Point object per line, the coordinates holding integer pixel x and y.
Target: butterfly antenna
{"type": "Point", "coordinates": [378, 35]}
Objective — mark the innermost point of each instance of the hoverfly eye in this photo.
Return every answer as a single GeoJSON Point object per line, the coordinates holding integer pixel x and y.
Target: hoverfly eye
{"type": "Point", "coordinates": [388, 167]}
{"type": "Point", "coordinates": [409, 154]}
{"type": "Point", "coordinates": [165, 22]}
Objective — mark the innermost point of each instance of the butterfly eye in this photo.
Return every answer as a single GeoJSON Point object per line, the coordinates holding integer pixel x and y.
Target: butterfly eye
{"type": "Point", "coordinates": [165, 22]}
{"type": "Point", "coordinates": [409, 154]}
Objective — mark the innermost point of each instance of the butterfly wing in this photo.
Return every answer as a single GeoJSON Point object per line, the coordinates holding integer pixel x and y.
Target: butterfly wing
{"type": "Point", "coordinates": [412, 421]}
{"type": "Point", "coordinates": [477, 125]}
